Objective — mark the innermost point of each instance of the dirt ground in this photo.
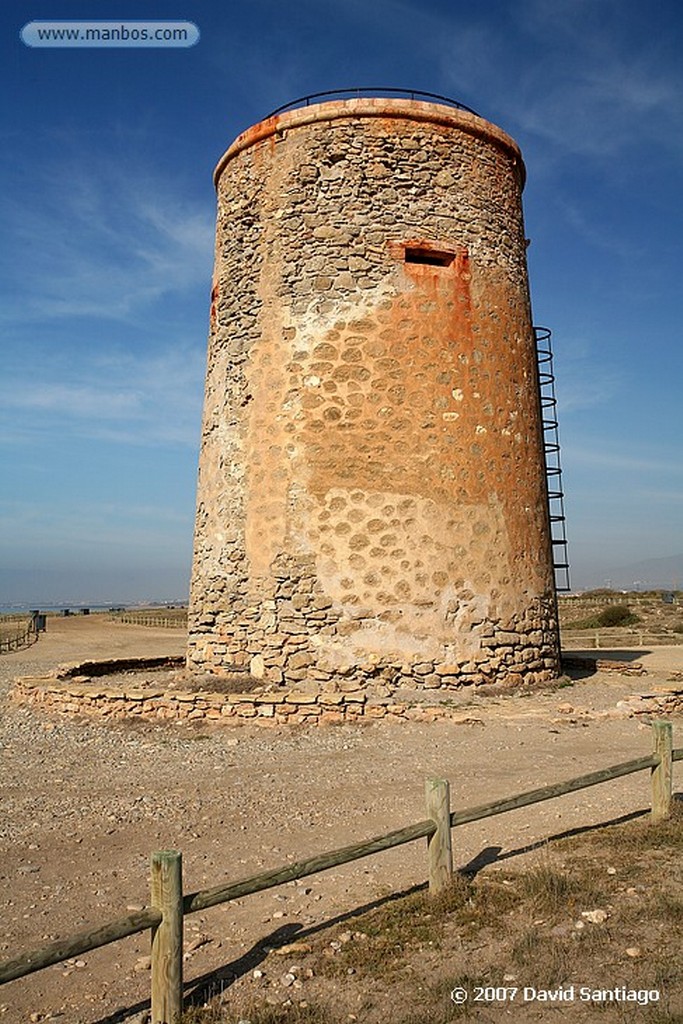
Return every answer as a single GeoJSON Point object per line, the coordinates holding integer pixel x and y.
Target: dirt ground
{"type": "Point", "coordinates": [85, 804]}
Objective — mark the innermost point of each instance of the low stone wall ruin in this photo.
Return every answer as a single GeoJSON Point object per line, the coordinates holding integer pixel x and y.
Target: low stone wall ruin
{"type": "Point", "coordinates": [284, 708]}
{"type": "Point", "coordinates": [68, 690]}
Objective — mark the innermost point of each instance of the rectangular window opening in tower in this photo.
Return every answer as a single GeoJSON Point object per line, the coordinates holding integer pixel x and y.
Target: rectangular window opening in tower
{"type": "Point", "coordinates": [432, 257]}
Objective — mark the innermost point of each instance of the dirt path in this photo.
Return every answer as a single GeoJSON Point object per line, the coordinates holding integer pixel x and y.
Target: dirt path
{"type": "Point", "coordinates": [84, 804]}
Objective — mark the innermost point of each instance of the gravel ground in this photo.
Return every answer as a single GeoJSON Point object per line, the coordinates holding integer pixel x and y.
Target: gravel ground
{"type": "Point", "coordinates": [85, 803]}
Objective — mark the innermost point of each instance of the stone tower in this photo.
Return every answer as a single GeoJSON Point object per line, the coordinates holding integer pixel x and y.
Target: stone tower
{"type": "Point", "coordinates": [372, 499]}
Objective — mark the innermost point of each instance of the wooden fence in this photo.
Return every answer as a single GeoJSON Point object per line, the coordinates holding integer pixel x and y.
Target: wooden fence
{"type": "Point", "coordinates": [611, 638]}
{"type": "Point", "coordinates": [164, 621]}
{"type": "Point", "coordinates": [652, 597]}
{"type": "Point", "coordinates": [169, 905]}
{"type": "Point", "coordinates": [25, 632]}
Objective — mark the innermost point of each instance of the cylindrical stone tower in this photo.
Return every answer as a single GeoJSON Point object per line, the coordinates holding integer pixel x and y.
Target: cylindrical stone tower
{"type": "Point", "coordinates": [372, 499]}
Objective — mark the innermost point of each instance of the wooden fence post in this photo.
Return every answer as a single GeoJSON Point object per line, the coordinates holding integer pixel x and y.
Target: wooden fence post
{"type": "Point", "coordinates": [662, 775]}
{"type": "Point", "coordinates": [439, 855]}
{"type": "Point", "coordinates": [167, 938]}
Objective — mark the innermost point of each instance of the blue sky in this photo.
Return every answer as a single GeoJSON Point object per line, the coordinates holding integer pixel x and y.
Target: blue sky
{"type": "Point", "coordinates": [107, 215]}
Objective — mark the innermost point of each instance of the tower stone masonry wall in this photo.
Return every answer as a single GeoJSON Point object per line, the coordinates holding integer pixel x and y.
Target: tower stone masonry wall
{"type": "Point", "coordinates": [372, 502]}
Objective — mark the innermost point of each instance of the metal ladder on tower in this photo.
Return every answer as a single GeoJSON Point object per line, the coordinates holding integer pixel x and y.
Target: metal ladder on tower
{"type": "Point", "coordinates": [551, 444]}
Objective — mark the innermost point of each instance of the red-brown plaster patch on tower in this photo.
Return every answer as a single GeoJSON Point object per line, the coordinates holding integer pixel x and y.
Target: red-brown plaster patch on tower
{"type": "Point", "coordinates": [372, 499]}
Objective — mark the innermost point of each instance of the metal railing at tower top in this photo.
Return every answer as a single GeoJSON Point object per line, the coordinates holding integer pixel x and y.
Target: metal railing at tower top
{"type": "Point", "coordinates": [379, 93]}
{"type": "Point", "coordinates": [551, 446]}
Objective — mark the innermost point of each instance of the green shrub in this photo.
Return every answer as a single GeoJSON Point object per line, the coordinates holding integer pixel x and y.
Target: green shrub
{"type": "Point", "coordinates": [589, 623]}
{"type": "Point", "coordinates": [617, 615]}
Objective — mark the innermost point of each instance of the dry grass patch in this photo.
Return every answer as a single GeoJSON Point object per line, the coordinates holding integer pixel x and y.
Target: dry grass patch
{"type": "Point", "coordinates": [291, 1014]}
{"type": "Point", "coordinates": [603, 910]}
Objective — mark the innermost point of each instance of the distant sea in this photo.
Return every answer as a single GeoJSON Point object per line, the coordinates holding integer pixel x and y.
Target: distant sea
{"type": "Point", "coordinates": [76, 606]}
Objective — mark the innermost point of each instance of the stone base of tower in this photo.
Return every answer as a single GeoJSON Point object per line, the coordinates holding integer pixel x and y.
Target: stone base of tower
{"type": "Point", "coordinates": [298, 636]}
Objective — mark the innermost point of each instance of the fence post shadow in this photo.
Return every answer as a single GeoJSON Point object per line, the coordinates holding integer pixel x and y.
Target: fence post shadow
{"type": "Point", "coordinates": [218, 979]}
{"type": "Point", "coordinates": [169, 905]}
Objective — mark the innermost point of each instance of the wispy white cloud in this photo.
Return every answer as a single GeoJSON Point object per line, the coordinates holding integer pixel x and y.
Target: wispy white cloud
{"type": "Point", "coordinates": [587, 389]}
{"type": "Point", "coordinates": [124, 397]}
{"type": "Point", "coordinates": [585, 379]}
{"type": "Point", "coordinates": [103, 240]}
{"type": "Point", "coordinates": [88, 518]}
{"type": "Point", "coordinates": [586, 78]}
{"type": "Point", "coordinates": [81, 533]}
{"type": "Point", "coordinates": [595, 233]}
{"type": "Point", "coordinates": [74, 400]}
{"type": "Point", "coordinates": [663, 496]}
{"type": "Point", "coordinates": [599, 86]}
{"type": "Point", "coordinates": [594, 457]}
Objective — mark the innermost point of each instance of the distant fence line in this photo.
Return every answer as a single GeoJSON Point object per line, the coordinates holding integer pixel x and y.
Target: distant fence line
{"type": "Point", "coordinates": [627, 597]}
{"type": "Point", "coordinates": [607, 638]}
{"type": "Point", "coordinates": [25, 632]}
{"type": "Point", "coordinates": [178, 621]}
{"type": "Point", "coordinates": [169, 905]}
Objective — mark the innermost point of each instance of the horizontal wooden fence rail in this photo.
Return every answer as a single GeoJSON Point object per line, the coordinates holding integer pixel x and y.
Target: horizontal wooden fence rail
{"type": "Point", "coordinates": [169, 905]}
{"type": "Point", "coordinates": [311, 866]}
{"type": "Point", "coordinates": [82, 942]}
{"type": "Point", "coordinates": [536, 796]}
